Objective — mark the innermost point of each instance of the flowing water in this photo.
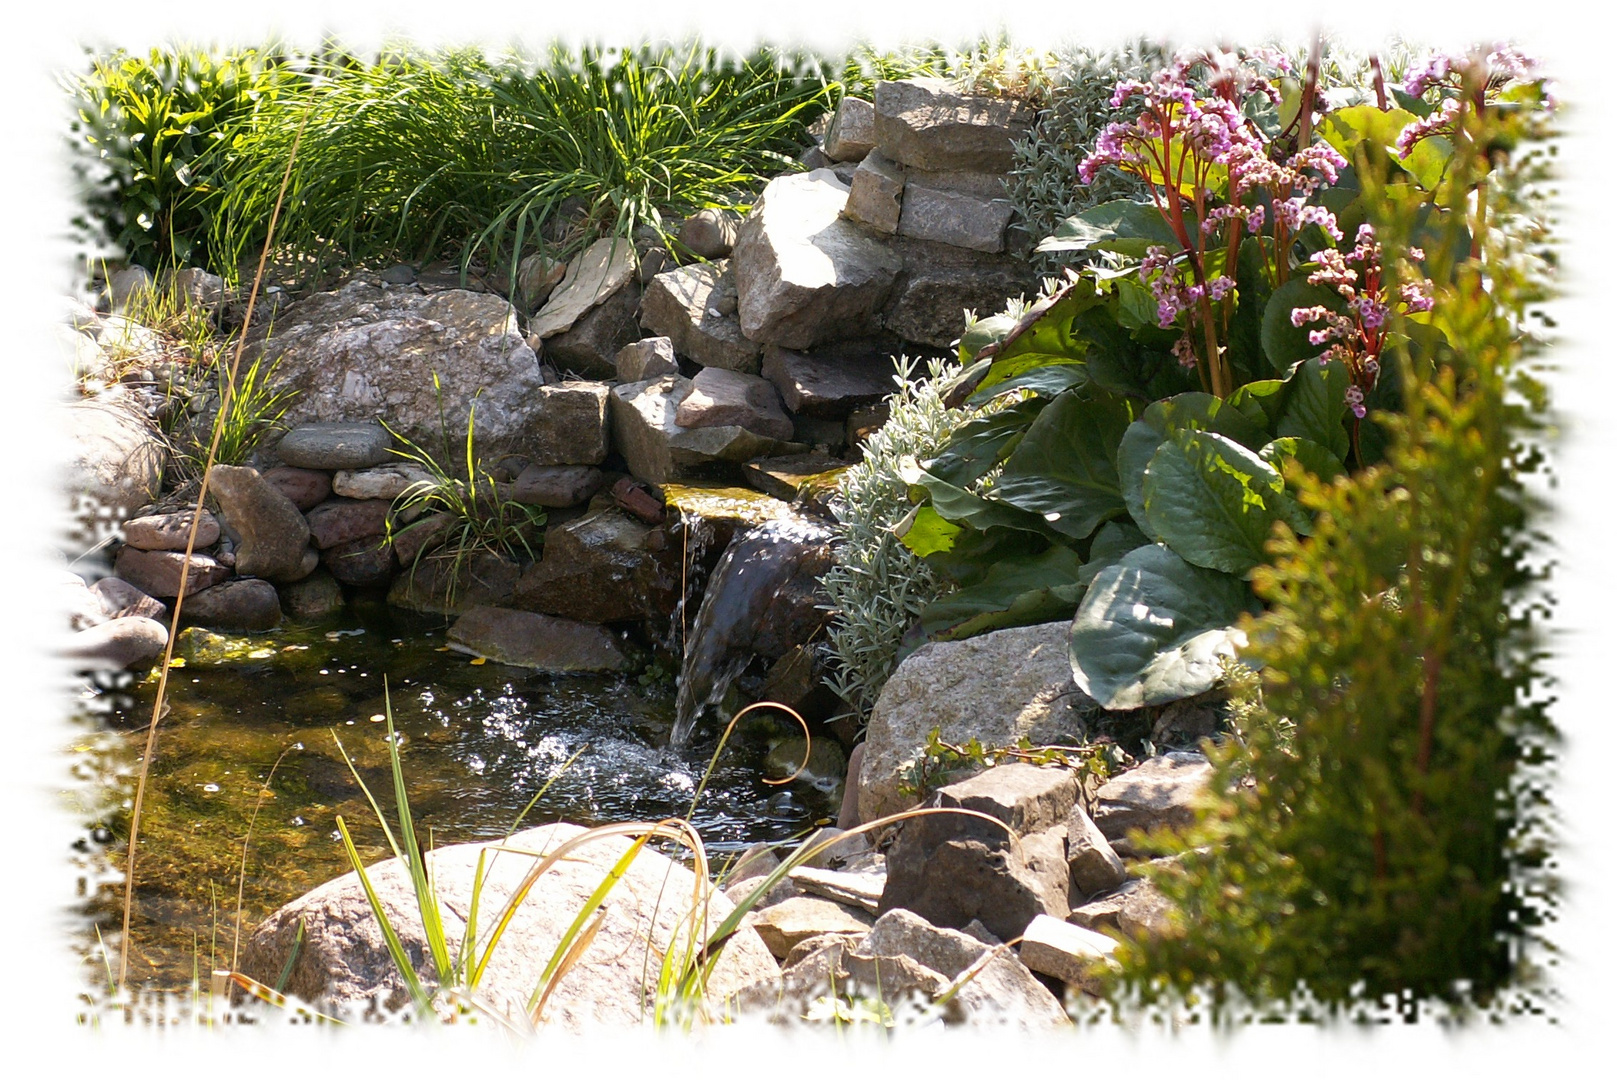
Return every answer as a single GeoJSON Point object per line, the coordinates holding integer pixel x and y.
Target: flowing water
{"type": "Point", "coordinates": [742, 600]}
{"type": "Point", "coordinates": [252, 730]}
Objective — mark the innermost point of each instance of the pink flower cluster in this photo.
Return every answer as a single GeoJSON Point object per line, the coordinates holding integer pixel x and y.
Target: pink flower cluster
{"type": "Point", "coordinates": [1356, 336]}
{"type": "Point", "coordinates": [1174, 296]}
{"type": "Point", "coordinates": [1501, 66]}
{"type": "Point", "coordinates": [1209, 130]}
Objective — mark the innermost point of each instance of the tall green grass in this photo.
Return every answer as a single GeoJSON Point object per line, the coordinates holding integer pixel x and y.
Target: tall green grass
{"type": "Point", "coordinates": [420, 156]}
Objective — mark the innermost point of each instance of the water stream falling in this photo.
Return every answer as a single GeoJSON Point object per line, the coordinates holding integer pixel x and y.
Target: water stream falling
{"type": "Point", "coordinates": [758, 600]}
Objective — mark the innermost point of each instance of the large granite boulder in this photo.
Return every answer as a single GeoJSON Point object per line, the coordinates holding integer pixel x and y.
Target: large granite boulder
{"type": "Point", "coordinates": [343, 962]}
{"type": "Point", "coordinates": [719, 398]}
{"type": "Point", "coordinates": [804, 274]}
{"type": "Point", "coordinates": [569, 424]}
{"type": "Point", "coordinates": [927, 124]}
{"type": "Point", "coordinates": [590, 346]}
{"type": "Point", "coordinates": [1159, 793]}
{"type": "Point", "coordinates": [658, 448]}
{"type": "Point", "coordinates": [364, 353]}
{"type": "Point", "coordinates": [962, 209]}
{"type": "Point", "coordinates": [828, 386]}
{"type": "Point", "coordinates": [953, 868]}
{"type": "Point", "coordinates": [114, 468]}
{"type": "Point", "coordinates": [996, 688]}
{"type": "Point", "coordinates": [852, 131]}
{"type": "Point", "coordinates": [694, 307]}
{"type": "Point", "coordinates": [592, 278]}
{"type": "Point", "coordinates": [940, 283]}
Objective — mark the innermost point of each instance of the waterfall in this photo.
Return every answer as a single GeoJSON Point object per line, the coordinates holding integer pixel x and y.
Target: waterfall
{"type": "Point", "coordinates": [761, 599]}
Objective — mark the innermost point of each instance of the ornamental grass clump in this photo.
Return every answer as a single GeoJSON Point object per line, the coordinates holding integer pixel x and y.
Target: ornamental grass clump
{"type": "Point", "coordinates": [420, 156]}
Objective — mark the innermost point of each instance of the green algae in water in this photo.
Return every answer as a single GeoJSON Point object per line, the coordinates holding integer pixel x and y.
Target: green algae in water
{"type": "Point", "coordinates": [250, 730]}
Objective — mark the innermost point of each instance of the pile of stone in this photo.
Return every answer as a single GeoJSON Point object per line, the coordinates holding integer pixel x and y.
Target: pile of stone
{"type": "Point", "coordinates": [1024, 860]}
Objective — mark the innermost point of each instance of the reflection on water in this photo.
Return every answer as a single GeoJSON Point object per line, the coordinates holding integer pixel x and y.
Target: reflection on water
{"type": "Point", "coordinates": [251, 739]}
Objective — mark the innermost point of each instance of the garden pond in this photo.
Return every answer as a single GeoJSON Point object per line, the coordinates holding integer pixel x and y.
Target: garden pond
{"type": "Point", "coordinates": [248, 748]}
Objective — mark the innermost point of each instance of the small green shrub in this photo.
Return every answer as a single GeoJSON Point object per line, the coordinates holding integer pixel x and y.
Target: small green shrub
{"type": "Point", "coordinates": [877, 586]}
{"type": "Point", "coordinates": [144, 131]}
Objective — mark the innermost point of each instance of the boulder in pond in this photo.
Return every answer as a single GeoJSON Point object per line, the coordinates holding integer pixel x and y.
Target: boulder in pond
{"type": "Point", "coordinates": [599, 568]}
{"type": "Point", "coordinates": [130, 642]}
{"type": "Point", "coordinates": [247, 605]}
{"type": "Point", "coordinates": [313, 598]}
{"type": "Point", "coordinates": [344, 963]}
{"type": "Point", "coordinates": [440, 585]}
{"type": "Point", "coordinates": [529, 639]}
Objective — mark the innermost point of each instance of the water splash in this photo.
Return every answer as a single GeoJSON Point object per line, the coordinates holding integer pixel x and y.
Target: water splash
{"type": "Point", "coordinates": [760, 598]}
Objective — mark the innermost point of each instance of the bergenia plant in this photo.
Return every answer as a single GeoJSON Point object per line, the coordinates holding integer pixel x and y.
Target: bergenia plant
{"type": "Point", "coordinates": [1216, 178]}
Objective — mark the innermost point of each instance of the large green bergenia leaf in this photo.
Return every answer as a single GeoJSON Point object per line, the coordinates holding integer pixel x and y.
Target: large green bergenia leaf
{"type": "Point", "coordinates": [1064, 469]}
{"type": "Point", "coordinates": [958, 505]}
{"type": "Point", "coordinates": [1213, 501]}
{"type": "Point", "coordinates": [1121, 225]}
{"type": "Point", "coordinates": [1182, 412]}
{"type": "Point", "coordinates": [1151, 629]}
{"type": "Point", "coordinates": [1284, 343]}
{"type": "Point", "coordinates": [1316, 402]}
{"type": "Point", "coordinates": [978, 445]}
{"type": "Point", "coordinates": [1112, 541]}
{"type": "Point", "coordinates": [1047, 378]}
{"type": "Point", "coordinates": [1016, 592]}
{"type": "Point", "coordinates": [1346, 128]}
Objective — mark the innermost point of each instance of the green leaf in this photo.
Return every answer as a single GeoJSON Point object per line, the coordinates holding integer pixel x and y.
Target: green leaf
{"type": "Point", "coordinates": [1151, 629]}
{"type": "Point", "coordinates": [978, 445]}
{"type": "Point", "coordinates": [1065, 468]}
{"type": "Point", "coordinates": [983, 333]}
{"type": "Point", "coordinates": [1283, 343]}
{"type": "Point", "coordinates": [1246, 325]}
{"type": "Point", "coordinates": [1182, 412]}
{"type": "Point", "coordinates": [1112, 541]}
{"type": "Point", "coordinates": [925, 532]}
{"type": "Point", "coordinates": [1047, 379]}
{"type": "Point", "coordinates": [1316, 405]}
{"type": "Point", "coordinates": [1346, 128]}
{"type": "Point", "coordinates": [1121, 225]}
{"type": "Point", "coordinates": [1018, 592]}
{"type": "Point", "coordinates": [1212, 500]}
{"type": "Point", "coordinates": [962, 507]}
{"type": "Point", "coordinates": [1307, 453]}
{"type": "Point", "coordinates": [1138, 364]}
